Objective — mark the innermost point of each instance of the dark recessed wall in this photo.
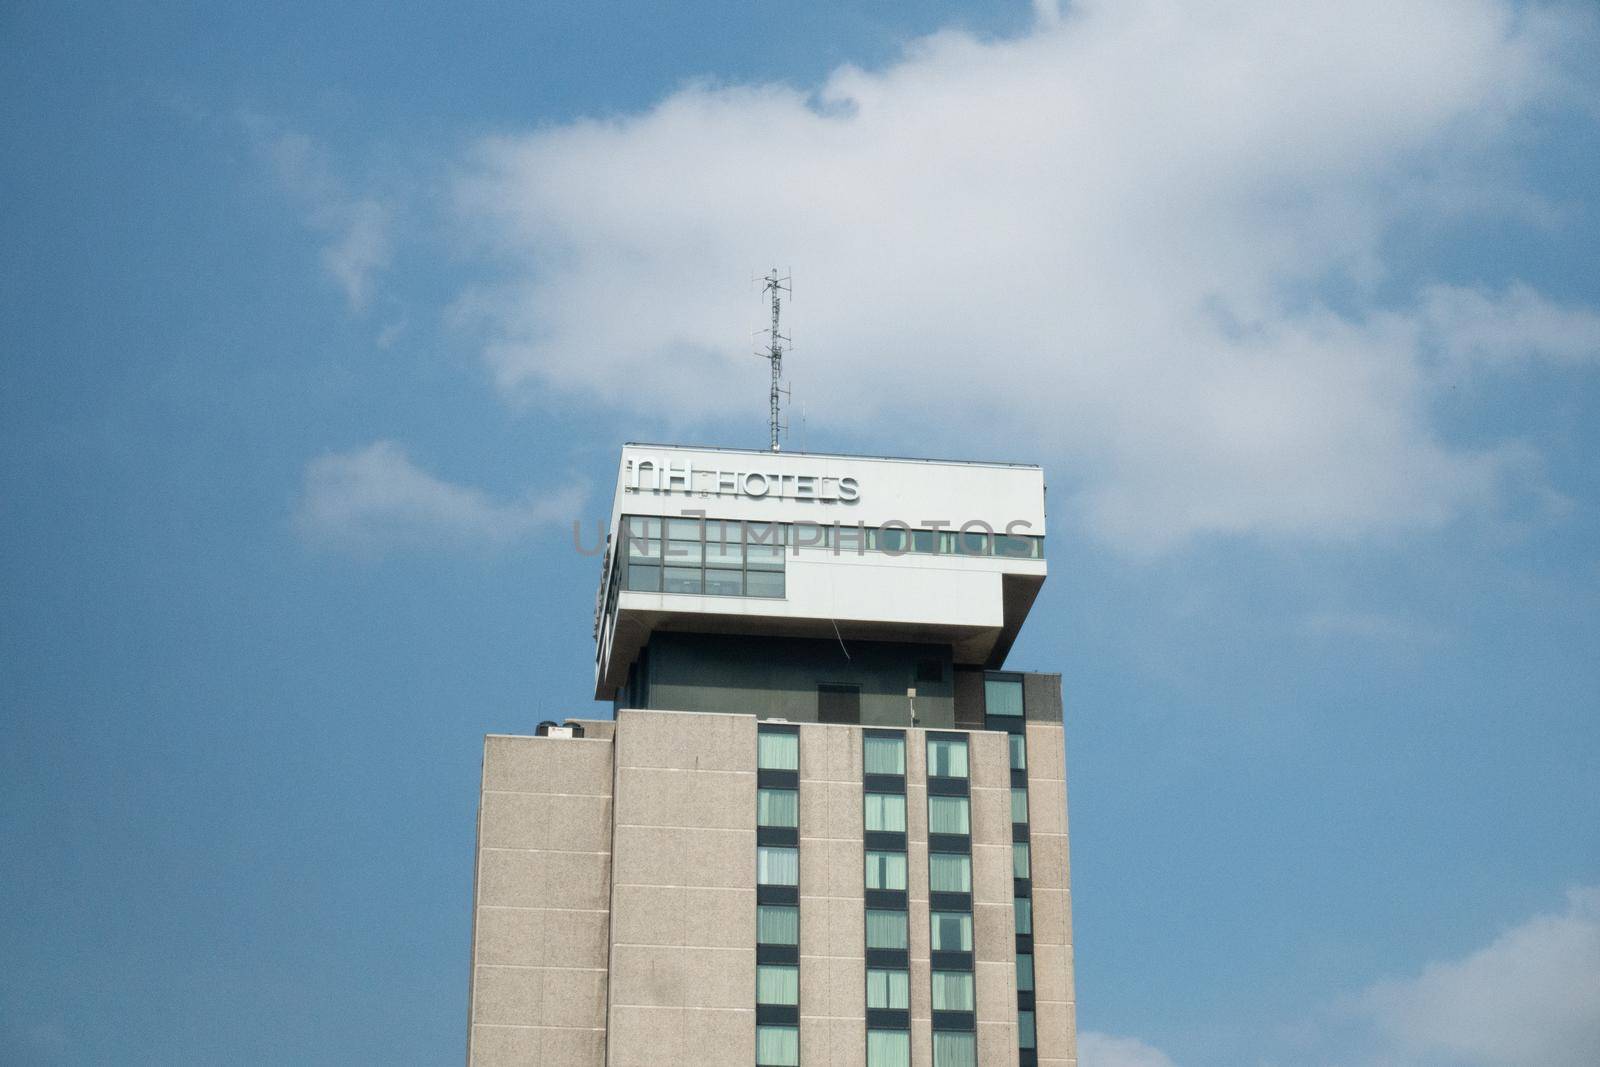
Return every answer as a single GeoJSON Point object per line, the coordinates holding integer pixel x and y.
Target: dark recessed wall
{"type": "Point", "coordinates": [777, 677]}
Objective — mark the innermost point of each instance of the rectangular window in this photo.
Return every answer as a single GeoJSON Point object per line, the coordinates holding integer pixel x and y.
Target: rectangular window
{"type": "Point", "coordinates": [886, 929]}
{"type": "Point", "coordinates": [884, 755]}
{"type": "Point", "coordinates": [839, 704]}
{"type": "Point", "coordinates": [949, 872]}
{"type": "Point", "coordinates": [1018, 547]}
{"type": "Point", "coordinates": [949, 815]}
{"type": "Point", "coordinates": [763, 548]}
{"type": "Point", "coordinates": [721, 582]}
{"type": "Point", "coordinates": [763, 583]}
{"type": "Point", "coordinates": [1024, 973]}
{"type": "Point", "coordinates": [777, 866]}
{"type": "Point", "coordinates": [1002, 696]}
{"type": "Point", "coordinates": [1020, 865]}
{"type": "Point", "coordinates": [777, 1046]}
{"type": "Point", "coordinates": [778, 751]}
{"type": "Point", "coordinates": [682, 580]}
{"type": "Point", "coordinates": [1019, 752]}
{"type": "Point", "coordinates": [947, 758]}
{"type": "Point", "coordinates": [954, 1049]}
{"type": "Point", "coordinates": [888, 1048]}
{"type": "Point", "coordinates": [1019, 804]}
{"type": "Point", "coordinates": [952, 931]}
{"type": "Point", "coordinates": [952, 991]}
{"type": "Point", "coordinates": [889, 990]}
{"type": "Point", "coordinates": [724, 544]}
{"type": "Point", "coordinates": [1023, 909]}
{"type": "Point", "coordinates": [777, 807]}
{"type": "Point", "coordinates": [886, 812]}
{"type": "Point", "coordinates": [777, 924]}
{"type": "Point", "coordinates": [970, 542]}
{"type": "Point", "coordinates": [886, 870]}
{"type": "Point", "coordinates": [1026, 1037]}
{"type": "Point", "coordinates": [777, 984]}
{"type": "Point", "coordinates": [643, 579]}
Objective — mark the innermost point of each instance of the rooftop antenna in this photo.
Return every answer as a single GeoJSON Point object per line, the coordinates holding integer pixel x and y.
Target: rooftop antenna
{"type": "Point", "coordinates": [777, 286]}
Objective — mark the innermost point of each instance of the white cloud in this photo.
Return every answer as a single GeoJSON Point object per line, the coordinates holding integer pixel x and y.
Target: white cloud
{"type": "Point", "coordinates": [1532, 996]}
{"type": "Point", "coordinates": [1099, 244]}
{"type": "Point", "coordinates": [374, 498]}
{"type": "Point", "coordinates": [357, 228]}
{"type": "Point", "coordinates": [1104, 1050]}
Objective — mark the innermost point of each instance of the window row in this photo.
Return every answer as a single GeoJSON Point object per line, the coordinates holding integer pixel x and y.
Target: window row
{"type": "Point", "coordinates": [892, 1048]}
{"type": "Point", "coordinates": [733, 540]}
{"type": "Point", "coordinates": [948, 872]}
{"type": "Point", "coordinates": [886, 812]}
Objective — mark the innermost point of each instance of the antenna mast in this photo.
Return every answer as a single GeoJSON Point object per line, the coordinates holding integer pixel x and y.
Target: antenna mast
{"type": "Point", "coordinates": [774, 353]}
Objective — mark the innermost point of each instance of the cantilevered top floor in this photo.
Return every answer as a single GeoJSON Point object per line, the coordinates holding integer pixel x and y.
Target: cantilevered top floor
{"type": "Point", "coordinates": [756, 544]}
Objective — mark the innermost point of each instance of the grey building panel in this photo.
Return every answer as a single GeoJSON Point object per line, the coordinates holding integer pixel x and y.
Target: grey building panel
{"type": "Point", "coordinates": [1041, 696]}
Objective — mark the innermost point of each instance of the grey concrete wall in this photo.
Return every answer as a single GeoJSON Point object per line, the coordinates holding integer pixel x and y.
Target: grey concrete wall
{"type": "Point", "coordinates": [778, 677]}
{"type": "Point", "coordinates": [538, 988]}
{"type": "Point", "coordinates": [1054, 995]}
{"type": "Point", "coordinates": [683, 895]}
{"type": "Point", "coordinates": [833, 977]}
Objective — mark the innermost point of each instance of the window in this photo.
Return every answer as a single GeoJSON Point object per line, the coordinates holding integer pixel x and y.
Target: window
{"type": "Point", "coordinates": [886, 870]}
{"type": "Point", "coordinates": [888, 1048]}
{"type": "Point", "coordinates": [1022, 907]}
{"type": "Point", "coordinates": [952, 991]}
{"type": "Point", "coordinates": [884, 755]}
{"type": "Point", "coordinates": [954, 1049]}
{"type": "Point", "coordinates": [886, 929]}
{"type": "Point", "coordinates": [717, 557]}
{"type": "Point", "coordinates": [725, 544]}
{"type": "Point", "coordinates": [1024, 972]}
{"type": "Point", "coordinates": [947, 758]}
{"type": "Point", "coordinates": [777, 1046]}
{"type": "Point", "coordinates": [721, 582]}
{"type": "Point", "coordinates": [1020, 866]}
{"type": "Point", "coordinates": [777, 984]}
{"type": "Point", "coordinates": [889, 990]}
{"type": "Point", "coordinates": [886, 812]}
{"type": "Point", "coordinates": [974, 542]}
{"type": "Point", "coordinates": [777, 751]}
{"type": "Point", "coordinates": [839, 704]}
{"type": "Point", "coordinates": [682, 580]}
{"type": "Point", "coordinates": [949, 815]}
{"type": "Point", "coordinates": [777, 807]}
{"type": "Point", "coordinates": [1026, 1037]}
{"type": "Point", "coordinates": [763, 583]}
{"type": "Point", "coordinates": [1019, 752]}
{"type": "Point", "coordinates": [952, 931]}
{"type": "Point", "coordinates": [1002, 696]}
{"type": "Point", "coordinates": [1018, 547]}
{"type": "Point", "coordinates": [777, 924]}
{"type": "Point", "coordinates": [777, 866]}
{"type": "Point", "coordinates": [949, 872]}
{"type": "Point", "coordinates": [1019, 804]}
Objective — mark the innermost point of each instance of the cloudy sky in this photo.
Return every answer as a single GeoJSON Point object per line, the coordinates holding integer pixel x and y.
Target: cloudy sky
{"type": "Point", "coordinates": [320, 330]}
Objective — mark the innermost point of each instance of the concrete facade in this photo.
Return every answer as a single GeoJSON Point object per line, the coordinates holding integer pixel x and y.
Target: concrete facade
{"type": "Point", "coordinates": [614, 911]}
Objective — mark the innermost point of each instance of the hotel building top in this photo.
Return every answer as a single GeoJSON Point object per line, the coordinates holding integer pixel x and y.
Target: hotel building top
{"type": "Point", "coordinates": [823, 825]}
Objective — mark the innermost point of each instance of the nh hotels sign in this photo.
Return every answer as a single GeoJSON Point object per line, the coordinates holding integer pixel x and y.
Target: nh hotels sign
{"type": "Point", "coordinates": [653, 475]}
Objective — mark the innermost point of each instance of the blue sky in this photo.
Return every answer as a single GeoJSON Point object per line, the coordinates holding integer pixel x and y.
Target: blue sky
{"type": "Point", "coordinates": [320, 328]}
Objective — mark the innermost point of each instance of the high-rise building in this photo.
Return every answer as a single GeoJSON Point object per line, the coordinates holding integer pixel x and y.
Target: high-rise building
{"type": "Point", "coordinates": [823, 825]}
